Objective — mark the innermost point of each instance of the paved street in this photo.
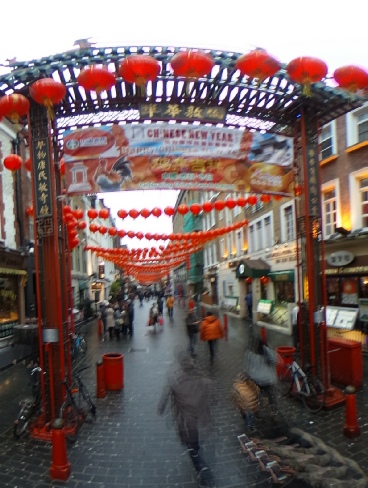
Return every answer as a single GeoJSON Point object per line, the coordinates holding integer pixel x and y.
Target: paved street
{"type": "Point", "coordinates": [130, 446]}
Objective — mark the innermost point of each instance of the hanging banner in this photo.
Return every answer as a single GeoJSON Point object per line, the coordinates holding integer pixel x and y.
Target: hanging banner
{"type": "Point", "coordinates": [174, 156]}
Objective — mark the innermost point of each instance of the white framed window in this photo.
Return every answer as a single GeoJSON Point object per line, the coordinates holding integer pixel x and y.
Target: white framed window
{"type": "Point", "coordinates": [268, 238]}
{"type": "Point", "coordinates": [357, 126]}
{"type": "Point", "coordinates": [363, 188]}
{"type": "Point", "coordinates": [358, 190]}
{"type": "Point", "coordinates": [214, 253]}
{"type": "Point", "coordinates": [260, 233]}
{"type": "Point", "coordinates": [287, 218]}
{"type": "Point", "coordinates": [330, 205]}
{"type": "Point", "coordinates": [327, 140]}
{"type": "Point", "coordinates": [239, 242]}
{"type": "Point", "coordinates": [222, 248]}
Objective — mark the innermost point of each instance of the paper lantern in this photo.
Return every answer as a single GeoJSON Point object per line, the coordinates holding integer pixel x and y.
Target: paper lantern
{"type": "Point", "coordinates": [257, 64]}
{"type": "Point", "coordinates": [230, 203]}
{"type": "Point", "coordinates": [183, 209]}
{"type": "Point", "coordinates": [81, 225]}
{"type": "Point", "coordinates": [96, 78]}
{"type": "Point", "coordinates": [112, 231]}
{"type": "Point", "coordinates": [13, 162]}
{"type": "Point", "coordinates": [30, 211]}
{"type": "Point", "coordinates": [241, 201]}
{"type": "Point", "coordinates": [104, 213]}
{"type": "Point", "coordinates": [139, 69]}
{"type": "Point", "coordinates": [156, 212]}
{"type": "Point", "coordinates": [145, 213]}
{"type": "Point", "coordinates": [207, 206]}
{"type": "Point", "coordinates": [219, 205]}
{"type": "Point", "coordinates": [265, 198]}
{"type": "Point", "coordinates": [14, 106]}
{"type": "Point", "coordinates": [28, 164]}
{"type": "Point", "coordinates": [78, 213]}
{"type": "Point", "coordinates": [133, 213]}
{"type": "Point", "coordinates": [252, 199]}
{"type": "Point", "coordinates": [122, 214]}
{"type": "Point", "coordinates": [306, 70]}
{"type": "Point", "coordinates": [92, 213]}
{"type": "Point", "coordinates": [102, 229]}
{"type": "Point", "coordinates": [47, 92]}
{"type": "Point", "coordinates": [351, 78]}
{"type": "Point", "coordinates": [192, 64]}
{"type": "Point", "coordinates": [169, 211]}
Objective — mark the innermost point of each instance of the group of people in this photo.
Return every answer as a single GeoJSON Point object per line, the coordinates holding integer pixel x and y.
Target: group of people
{"type": "Point", "coordinates": [117, 318]}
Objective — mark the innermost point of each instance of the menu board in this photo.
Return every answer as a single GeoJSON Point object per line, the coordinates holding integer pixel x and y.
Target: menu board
{"type": "Point", "coordinates": [341, 318]}
{"type": "Point", "coordinates": [264, 306]}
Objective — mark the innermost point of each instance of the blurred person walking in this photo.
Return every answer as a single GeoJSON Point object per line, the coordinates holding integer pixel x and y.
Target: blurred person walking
{"type": "Point", "coordinates": [187, 391]}
{"type": "Point", "coordinates": [192, 323]}
{"type": "Point", "coordinates": [170, 305]}
{"type": "Point", "coordinates": [211, 330]}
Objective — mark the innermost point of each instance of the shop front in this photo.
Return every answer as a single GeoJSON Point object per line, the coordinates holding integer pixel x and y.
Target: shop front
{"type": "Point", "coordinates": [13, 278]}
{"type": "Point", "coordinates": [253, 276]}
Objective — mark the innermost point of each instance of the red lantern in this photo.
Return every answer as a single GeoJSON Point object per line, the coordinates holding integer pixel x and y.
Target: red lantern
{"type": "Point", "coordinates": [192, 64]}
{"type": "Point", "coordinates": [195, 208]}
{"type": "Point", "coordinates": [183, 209]}
{"type": "Point", "coordinates": [277, 197]}
{"type": "Point", "coordinates": [96, 78]}
{"type": "Point", "coordinates": [230, 203]}
{"type": "Point", "coordinates": [248, 280]}
{"type": "Point", "coordinates": [351, 78]}
{"type": "Point", "coordinates": [73, 243]}
{"type": "Point", "coordinates": [145, 213]}
{"type": "Point", "coordinates": [133, 213]}
{"type": "Point", "coordinates": [241, 202]}
{"type": "Point", "coordinates": [93, 228]}
{"type": "Point", "coordinates": [14, 106]}
{"type": "Point", "coordinates": [265, 198]}
{"type": "Point", "coordinates": [72, 233]}
{"type": "Point", "coordinates": [257, 64]}
{"type": "Point", "coordinates": [169, 211]}
{"type": "Point", "coordinates": [29, 211]}
{"type": "Point", "coordinates": [112, 231]}
{"type": "Point", "coordinates": [139, 235]}
{"type": "Point", "coordinates": [81, 225]}
{"type": "Point", "coordinates": [104, 213]}
{"type": "Point", "coordinates": [298, 189]}
{"type": "Point", "coordinates": [156, 212]}
{"type": "Point", "coordinates": [252, 199]}
{"type": "Point", "coordinates": [306, 70]}
{"type": "Point", "coordinates": [219, 205]}
{"type": "Point", "coordinates": [92, 213]}
{"type": "Point", "coordinates": [130, 234]}
{"type": "Point", "coordinates": [265, 280]}
{"type": "Point", "coordinates": [122, 214]}
{"type": "Point", "coordinates": [78, 213]}
{"type": "Point", "coordinates": [13, 162]}
{"type": "Point", "coordinates": [121, 233]}
{"type": "Point", "coordinates": [102, 229]}
{"type": "Point", "coordinates": [139, 69]}
{"type": "Point", "coordinates": [148, 236]}
{"type": "Point", "coordinates": [207, 206]}
{"type": "Point", "coordinates": [28, 164]}
{"type": "Point", "coordinates": [47, 92]}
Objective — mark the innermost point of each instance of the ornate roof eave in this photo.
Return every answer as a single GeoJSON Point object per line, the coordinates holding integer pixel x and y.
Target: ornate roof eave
{"type": "Point", "coordinates": [276, 103]}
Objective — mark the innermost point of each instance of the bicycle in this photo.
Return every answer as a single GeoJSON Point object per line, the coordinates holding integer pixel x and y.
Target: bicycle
{"type": "Point", "coordinates": [78, 346]}
{"type": "Point", "coordinates": [293, 380]}
{"type": "Point", "coordinates": [73, 412]}
{"type": "Point", "coordinates": [29, 406]}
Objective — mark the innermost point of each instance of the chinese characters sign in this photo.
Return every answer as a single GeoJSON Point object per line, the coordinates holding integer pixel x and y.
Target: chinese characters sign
{"type": "Point", "coordinates": [41, 158]}
{"type": "Point", "coordinates": [175, 156]}
{"type": "Point", "coordinates": [168, 111]}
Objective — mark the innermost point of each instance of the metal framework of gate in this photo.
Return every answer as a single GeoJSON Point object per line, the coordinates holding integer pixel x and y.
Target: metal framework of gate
{"type": "Point", "coordinates": [276, 104]}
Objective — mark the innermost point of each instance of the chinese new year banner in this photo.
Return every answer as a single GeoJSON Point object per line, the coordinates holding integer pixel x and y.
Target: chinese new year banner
{"type": "Point", "coordinates": [175, 156]}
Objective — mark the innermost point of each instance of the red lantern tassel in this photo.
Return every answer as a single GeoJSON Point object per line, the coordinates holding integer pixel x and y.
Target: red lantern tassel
{"type": "Point", "coordinates": [50, 109]}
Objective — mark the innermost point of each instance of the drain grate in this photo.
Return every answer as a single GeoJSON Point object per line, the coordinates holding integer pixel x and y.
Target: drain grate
{"type": "Point", "coordinates": [133, 349]}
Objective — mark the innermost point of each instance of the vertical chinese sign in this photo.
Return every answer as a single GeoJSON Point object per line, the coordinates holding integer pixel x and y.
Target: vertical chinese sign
{"type": "Point", "coordinates": [42, 179]}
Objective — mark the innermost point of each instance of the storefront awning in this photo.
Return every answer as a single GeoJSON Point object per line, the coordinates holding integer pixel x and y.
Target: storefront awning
{"type": "Point", "coordinates": [13, 271]}
{"type": "Point", "coordinates": [252, 268]}
{"type": "Point", "coordinates": [286, 275]}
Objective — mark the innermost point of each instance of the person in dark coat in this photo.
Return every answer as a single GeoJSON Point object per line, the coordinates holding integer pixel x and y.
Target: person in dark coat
{"type": "Point", "coordinates": [187, 389]}
{"type": "Point", "coordinates": [130, 308]}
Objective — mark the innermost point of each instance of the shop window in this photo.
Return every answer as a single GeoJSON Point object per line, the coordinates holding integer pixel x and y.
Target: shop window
{"type": "Point", "coordinates": [329, 212]}
{"type": "Point", "coordinates": [285, 291]}
{"type": "Point", "coordinates": [349, 291]}
{"type": "Point", "coordinates": [363, 287]}
{"type": "Point", "coordinates": [327, 141]}
{"type": "Point", "coordinates": [333, 291]}
{"type": "Point", "coordinates": [8, 299]}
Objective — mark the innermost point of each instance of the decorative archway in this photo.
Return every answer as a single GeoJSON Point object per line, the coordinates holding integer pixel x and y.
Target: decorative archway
{"type": "Point", "coordinates": [221, 90]}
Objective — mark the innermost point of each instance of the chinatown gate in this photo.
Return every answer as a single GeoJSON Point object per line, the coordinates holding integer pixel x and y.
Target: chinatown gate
{"type": "Point", "coordinates": [218, 91]}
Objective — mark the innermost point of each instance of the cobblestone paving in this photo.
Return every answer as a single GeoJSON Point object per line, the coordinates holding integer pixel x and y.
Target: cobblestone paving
{"type": "Point", "coordinates": [130, 446]}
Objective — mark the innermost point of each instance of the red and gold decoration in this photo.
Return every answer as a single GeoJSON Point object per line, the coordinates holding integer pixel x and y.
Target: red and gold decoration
{"type": "Point", "coordinates": [48, 92]}
{"type": "Point", "coordinates": [96, 79]}
{"type": "Point", "coordinates": [351, 78]}
{"type": "Point", "coordinates": [305, 71]}
{"type": "Point", "coordinates": [192, 64]}
{"type": "Point", "coordinates": [139, 69]}
{"type": "Point", "coordinates": [14, 107]}
{"type": "Point", "coordinates": [257, 64]}
{"type": "Point", "coordinates": [13, 162]}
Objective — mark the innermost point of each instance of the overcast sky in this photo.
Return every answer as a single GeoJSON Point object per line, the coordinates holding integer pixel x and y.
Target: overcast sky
{"type": "Point", "coordinates": [333, 31]}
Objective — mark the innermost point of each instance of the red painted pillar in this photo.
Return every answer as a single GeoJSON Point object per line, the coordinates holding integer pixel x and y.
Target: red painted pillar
{"type": "Point", "coordinates": [225, 325]}
{"type": "Point", "coordinates": [351, 427]}
{"type": "Point", "coordinates": [100, 381]}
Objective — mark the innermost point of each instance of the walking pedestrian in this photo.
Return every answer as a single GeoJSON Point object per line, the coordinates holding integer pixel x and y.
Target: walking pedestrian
{"type": "Point", "coordinates": [249, 302]}
{"type": "Point", "coordinates": [170, 305]}
{"type": "Point", "coordinates": [187, 390]}
{"type": "Point", "coordinates": [192, 324]}
{"type": "Point", "coordinates": [211, 330]}
{"type": "Point", "coordinates": [130, 310]}
{"type": "Point", "coordinates": [110, 320]}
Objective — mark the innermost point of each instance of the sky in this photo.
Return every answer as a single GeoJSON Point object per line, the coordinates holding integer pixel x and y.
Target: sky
{"type": "Point", "coordinates": [332, 31]}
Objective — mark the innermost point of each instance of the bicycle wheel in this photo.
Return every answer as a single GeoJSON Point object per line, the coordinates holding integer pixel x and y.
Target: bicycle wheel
{"type": "Point", "coordinates": [87, 398]}
{"type": "Point", "coordinates": [313, 394]}
{"type": "Point", "coordinates": [73, 420]}
{"type": "Point", "coordinates": [82, 345]}
{"type": "Point", "coordinates": [20, 427]}
{"type": "Point", "coordinates": [285, 380]}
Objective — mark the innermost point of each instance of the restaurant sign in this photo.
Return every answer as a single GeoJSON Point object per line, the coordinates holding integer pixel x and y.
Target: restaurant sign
{"type": "Point", "coordinates": [340, 258]}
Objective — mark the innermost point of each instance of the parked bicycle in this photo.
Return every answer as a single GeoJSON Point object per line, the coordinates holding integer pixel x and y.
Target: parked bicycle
{"type": "Point", "coordinates": [30, 406]}
{"type": "Point", "coordinates": [293, 380]}
{"type": "Point", "coordinates": [78, 346]}
{"type": "Point", "coordinates": [78, 402]}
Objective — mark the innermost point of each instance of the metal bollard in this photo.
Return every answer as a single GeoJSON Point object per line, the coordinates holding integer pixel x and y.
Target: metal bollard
{"type": "Point", "coordinates": [60, 467]}
{"type": "Point", "coordinates": [100, 383]}
{"type": "Point", "coordinates": [351, 427]}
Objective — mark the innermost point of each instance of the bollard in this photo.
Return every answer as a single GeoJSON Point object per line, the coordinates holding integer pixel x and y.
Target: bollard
{"type": "Point", "coordinates": [100, 383]}
{"type": "Point", "coordinates": [60, 467]}
{"type": "Point", "coordinates": [351, 427]}
{"type": "Point", "coordinates": [225, 326]}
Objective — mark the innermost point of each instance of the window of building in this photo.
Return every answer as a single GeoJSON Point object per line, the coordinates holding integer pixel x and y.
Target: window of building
{"type": "Point", "coordinates": [239, 243]}
{"type": "Point", "coordinates": [327, 141]}
{"type": "Point", "coordinates": [329, 212]}
{"type": "Point", "coordinates": [267, 232]}
{"type": "Point", "coordinates": [364, 201]}
{"type": "Point", "coordinates": [287, 222]}
{"type": "Point", "coordinates": [222, 248]}
{"type": "Point", "coordinates": [357, 126]}
{"type": "Point", "coordinates": [363, 127]}
{"type": "Point", "coordinates": [260, 233]}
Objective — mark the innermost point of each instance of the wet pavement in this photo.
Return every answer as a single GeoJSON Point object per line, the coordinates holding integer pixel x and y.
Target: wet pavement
{"type": "Point", "coordinates": [130, 446]}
